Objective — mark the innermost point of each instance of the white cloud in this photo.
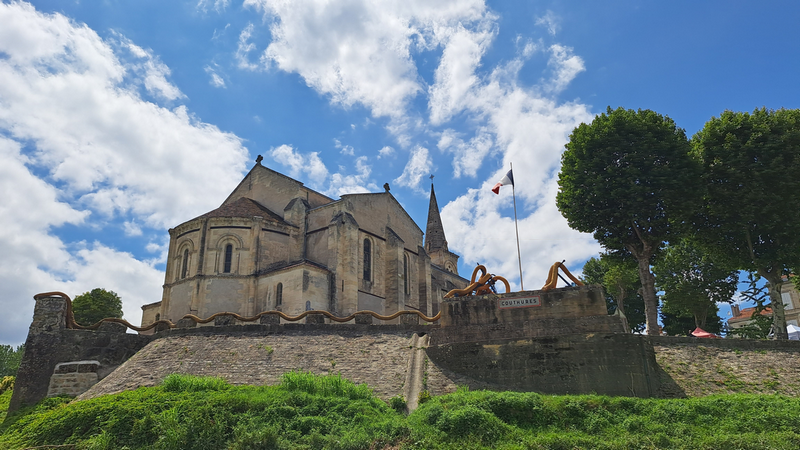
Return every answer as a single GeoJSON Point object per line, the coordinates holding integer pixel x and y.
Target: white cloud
{"type": "Point", "coordinates": [566, 66]}
{"type": "Point", "coordinates": [359, 182]}
{"type": "Point", "coordinates": [359, 51]}
{"type": "Point", "coordinates": [468, 156]}
{"type": "Point", "coordinates": [131, 228]}
{"type": "Point", "coordinates": [218, 5]}
{"type": "Point", "coordinates": [71, 112]}
{"type": "Point", "coordinates": [419, 164]}
{"type": "Point", "coordinates": [151, 71]}
{"type": "Point", "coordinates": [307, 166]}
{"type": "Point", "coordinates": [344, 149]}
{"type": "Point", "coordinates": [215, 80]}
{"type": "Point", "coordinates": [544, 235]}
{"type": "Point", "coordinates": [245, 47]}
{"type": "Point", "coordinates": [550, 21]}
{"type": "Point", "coordinates": [385, 152]}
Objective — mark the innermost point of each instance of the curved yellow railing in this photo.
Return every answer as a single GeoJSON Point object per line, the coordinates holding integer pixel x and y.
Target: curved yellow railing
{"type": "Point", "coordinates": [552, 277]}
{"type": "Point", "coordinates": [484, 284]}
{"type": "Point", "coordinates": [72, 324]}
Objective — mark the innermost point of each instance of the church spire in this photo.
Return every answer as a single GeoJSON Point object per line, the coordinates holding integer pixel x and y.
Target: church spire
{"type": "Point", "coordinates": [434, 232]}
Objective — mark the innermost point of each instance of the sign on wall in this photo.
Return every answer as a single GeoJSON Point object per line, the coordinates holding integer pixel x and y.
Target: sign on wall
{"type": "Point", "coordinates": [519, 302]}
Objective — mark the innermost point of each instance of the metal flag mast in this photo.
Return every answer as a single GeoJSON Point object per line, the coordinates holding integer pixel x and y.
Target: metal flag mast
{"type": "Point", "coordinates": [516, 227]}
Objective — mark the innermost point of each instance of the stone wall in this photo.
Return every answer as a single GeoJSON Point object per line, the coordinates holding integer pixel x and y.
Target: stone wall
{"type": "Point", "coordinates": [50, 343]}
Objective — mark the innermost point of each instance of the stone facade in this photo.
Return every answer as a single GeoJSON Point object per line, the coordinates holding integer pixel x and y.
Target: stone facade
{"type": "Point", "coordinates": [276, 245]}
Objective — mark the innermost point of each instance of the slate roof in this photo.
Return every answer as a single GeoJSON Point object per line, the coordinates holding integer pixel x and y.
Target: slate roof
{"type": "Point", "coordinates": [244, 207]}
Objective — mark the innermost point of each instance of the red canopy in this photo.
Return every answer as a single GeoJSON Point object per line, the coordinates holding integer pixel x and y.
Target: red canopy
{"type": "Point", "coordinates": [699, 332]}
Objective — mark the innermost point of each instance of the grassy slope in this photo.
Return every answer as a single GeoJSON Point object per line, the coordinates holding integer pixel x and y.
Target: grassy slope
{"type": "Point", "coordinates": [308, 411]}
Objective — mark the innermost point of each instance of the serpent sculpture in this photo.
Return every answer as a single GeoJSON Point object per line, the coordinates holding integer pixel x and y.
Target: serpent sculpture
{"type": "Point", "coordinates": [484, 284]}
{"type": "Point", "coordinates": [72, 324]}
{"type": "Point", "coordinates": [552, 277]}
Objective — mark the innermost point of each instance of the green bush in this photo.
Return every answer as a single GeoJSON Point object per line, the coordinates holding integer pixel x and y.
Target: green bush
{"type": "Point", "coordinates": [6, 383]}
{"type": "Point", "coordinates": [398, 403]}
{"type": "Point", "coordinates": [189, 383]}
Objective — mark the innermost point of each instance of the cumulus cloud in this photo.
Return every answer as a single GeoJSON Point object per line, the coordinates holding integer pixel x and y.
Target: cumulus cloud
{"type": "Point", "coordinates": [347, 150]}
{"type": "Point", "coordinates": [80, 143]}
{"type": "Point", "coordinates": [419, 164]}
{"type": "Point", "coordinates": [385, 152]}
{"type": "Point", "coordinates": [359, 51]}
{"type": "Point", "coordinates": [342, 183]}
{"type": "Point", "coordinates": [306, 166]}
{"type": "Point", "coordinates": [566, 66]}
{"type": "Point", "coordinates": [467, 156]}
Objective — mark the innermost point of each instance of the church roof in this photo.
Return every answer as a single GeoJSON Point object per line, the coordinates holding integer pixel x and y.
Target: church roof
{"type": "Point", "coordinates": [243, 207]}
{"type": "Point", "coordinates": [434, 231]}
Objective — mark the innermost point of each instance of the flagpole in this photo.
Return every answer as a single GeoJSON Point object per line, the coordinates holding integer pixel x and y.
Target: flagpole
{"type": "Point", "coordinates": [516, 228]}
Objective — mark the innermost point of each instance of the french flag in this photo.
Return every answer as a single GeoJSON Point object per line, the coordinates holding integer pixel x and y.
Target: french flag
{"type": "Point", "coordinates": [508, 179]}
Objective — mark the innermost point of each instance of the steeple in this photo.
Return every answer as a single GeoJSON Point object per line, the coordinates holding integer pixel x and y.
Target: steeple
{"type": "Point", "coordinates": [434, 231]}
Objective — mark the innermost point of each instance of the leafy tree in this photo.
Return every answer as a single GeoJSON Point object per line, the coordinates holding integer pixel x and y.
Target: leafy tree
{"type": "Point", "coordinates": [620, 280]}
{"type": "Point", "coordinates": [10, 359]}
{"type": "Point", "coordinates": [95, 305]}
{"type": "Point", "coordinates": [759, 325]}
{"type": "Point", "coordinates": [680, 322]}
{"type": "Point", "coordinates": [622, 178]}
{"type": "Point", "coordinates": [751, 211]}
{"type": "Point", "coordinates": [693, 284]}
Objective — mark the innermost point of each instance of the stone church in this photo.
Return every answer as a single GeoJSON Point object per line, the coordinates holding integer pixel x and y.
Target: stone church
{"type": "Point", "coordinates": [275, 244]}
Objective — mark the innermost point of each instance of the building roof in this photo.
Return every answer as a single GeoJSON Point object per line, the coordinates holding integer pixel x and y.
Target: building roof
{"type": "Point", "coordinates": [434, 231]}
{"type": "Point", "coordinates": [244, 207]}
{"type": "Point", "coordinates": [745, 314]}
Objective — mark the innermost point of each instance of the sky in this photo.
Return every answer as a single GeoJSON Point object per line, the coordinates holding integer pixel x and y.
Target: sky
{"type": "Point", "coordinates": [120, 120]}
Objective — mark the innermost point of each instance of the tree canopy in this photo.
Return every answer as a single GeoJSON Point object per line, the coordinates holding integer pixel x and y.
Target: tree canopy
{"type": "Point", "coordinates": [693, 283]}
{"type": "Point", "coordinates": [10, 359]}
{"type": "Point", "coordinates": [95, 305]}
{"type": "Point", "coordinates": [751, 211]}
{"type": "Point", "coordinates": [622, 177]}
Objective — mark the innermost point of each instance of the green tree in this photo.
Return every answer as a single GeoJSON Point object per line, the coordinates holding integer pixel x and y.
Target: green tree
{"type": "Point", "coordinates": [620, 280]}
{"type": "Point", "coordinates": [10, 359]}
{"type": "Point", "coordinates": [751, 211]}
{"type": "Point", "coordinates": [622, 178]}
{"type": "Point", "coordinates": [759, 325]}
{"type": "Point", "coordinates": [680, 322]}
{"type": "Point", "coordinates": [95, 305]}
{"type": "Point", "coordinates": [693, 283]}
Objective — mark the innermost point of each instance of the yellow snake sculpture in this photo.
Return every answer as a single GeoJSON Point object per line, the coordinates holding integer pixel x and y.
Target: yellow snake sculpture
{"type": "Point", "coordinates": [72, 324]}
{"type": "Point", "coordinates": [484, 284]}
{"type": "Point", "coordinates": [552, 277]}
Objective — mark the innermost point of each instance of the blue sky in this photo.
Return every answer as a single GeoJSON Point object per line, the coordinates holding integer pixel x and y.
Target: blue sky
{"type": "Point", "coordinates": [119, 120]}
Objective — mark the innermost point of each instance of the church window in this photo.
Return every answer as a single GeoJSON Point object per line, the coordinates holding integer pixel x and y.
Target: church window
{"type": "Point", "coordinates": [228, 258]}
{"type": "Point", "coordinates": [367, 260]}
{"type": "Point", "coordinates": [185, 263]}
{"type": "Point", "coordinates": [158, 317]}
{"type": "Point", "coordinates": [405, 274]}
{"type": "Point", "coordinates": [279, 295]}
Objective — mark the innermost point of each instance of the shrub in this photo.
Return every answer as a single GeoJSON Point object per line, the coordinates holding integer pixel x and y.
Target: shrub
{"type": "Point", "coordinates": [398, 403]}
{"type": "Point", "coordinates": [6, 383]}
{"type": "Point", "coordinates": [190, 383]}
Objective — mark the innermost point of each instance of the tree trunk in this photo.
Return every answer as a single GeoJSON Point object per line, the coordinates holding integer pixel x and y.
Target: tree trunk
{"type": "Point", "coordinates": [648, 287]}
{"type": "Point", "coordinates": [778, 314]}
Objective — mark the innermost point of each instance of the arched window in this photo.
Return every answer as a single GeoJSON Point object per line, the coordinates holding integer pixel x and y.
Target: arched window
{"type": "Point", "coordinates": [185, 264]}
{"type": "Point", "coordinates": [228, 258]}
{"type": "Point", "coordinates": [158, 317]}
{"type": "Point", "coordinates": [279, 295]}
{"type": "Point", "coordinates": [367, 260]}
{"type": "Point", "coordinates": [405, 274]}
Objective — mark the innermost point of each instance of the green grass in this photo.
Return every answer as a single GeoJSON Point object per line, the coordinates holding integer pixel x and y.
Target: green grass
{"type": "Point", "coordinates": [328, 412]}
{"type": "Point", "coordinates": [5, 398]}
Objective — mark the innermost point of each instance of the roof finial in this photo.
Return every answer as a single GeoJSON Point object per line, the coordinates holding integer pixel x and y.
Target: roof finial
{"type": "Point", "coordinates": [386, 186]}
{"type": "Point", "coordinates": [431, 178]}
{"type": "Point", "coordinates": [259, 159]}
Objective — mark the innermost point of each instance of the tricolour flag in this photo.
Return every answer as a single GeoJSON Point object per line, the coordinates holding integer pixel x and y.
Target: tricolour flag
{"type": "Point", "coordinates": [508, 179]}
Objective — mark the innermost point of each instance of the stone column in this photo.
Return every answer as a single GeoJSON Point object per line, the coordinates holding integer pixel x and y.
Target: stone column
{"type": "Point", "coordinates": [395, 297]}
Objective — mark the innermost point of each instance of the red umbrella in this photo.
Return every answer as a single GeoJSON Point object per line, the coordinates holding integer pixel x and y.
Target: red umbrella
{"type": "Point", "coordinates": [699, 332]}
